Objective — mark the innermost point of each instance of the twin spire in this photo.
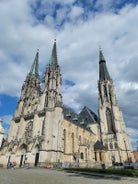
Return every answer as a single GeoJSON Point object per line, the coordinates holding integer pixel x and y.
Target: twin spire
{"type": "Point", "coordinates": [103, 72]}
{"type": "Point", "coordinates": [53, 61]}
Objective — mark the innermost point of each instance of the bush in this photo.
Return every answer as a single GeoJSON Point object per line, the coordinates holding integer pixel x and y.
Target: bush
{"type": "Point", "coordinates": [125, 172]}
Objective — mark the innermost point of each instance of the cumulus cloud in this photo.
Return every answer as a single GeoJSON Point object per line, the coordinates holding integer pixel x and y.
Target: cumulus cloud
{"type": "Point", "coordinates": [133, 133]}
{"type": "Point", "coordinates": [35, 24]}
{"type": "Point", "coordinates": [6, 123]}
{"type": "Point", "coordinates": [75, 12]}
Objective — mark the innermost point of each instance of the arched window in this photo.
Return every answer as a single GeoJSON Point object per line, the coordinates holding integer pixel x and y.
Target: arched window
{"type": "Point", "coordinates": [116, 145]}
{"type": "Point", "coordinates": [106, 145]}
{"type": "Point", "coordinates": [72, 142]}
{"type": "Point", "coordinates": [105, 91]}
{"type": "Point", "coordinates": [111, 146]}
{"type": "Point", "coordinates": [110, 122]}
{"type": "Point", "coordinates": [100, 156]}
{"type": "Point", "coordinates": [95, 155]}
{"type": "Point", "coordinates": [81, 155]}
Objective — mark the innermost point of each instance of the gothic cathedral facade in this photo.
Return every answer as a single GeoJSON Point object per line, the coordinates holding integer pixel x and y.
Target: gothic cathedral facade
{"type": "Point", "coordinates": [44, 132]}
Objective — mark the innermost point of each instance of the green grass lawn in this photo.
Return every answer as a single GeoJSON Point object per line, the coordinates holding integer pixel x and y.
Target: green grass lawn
{"type": "Point", "coordinates": [124, 172]}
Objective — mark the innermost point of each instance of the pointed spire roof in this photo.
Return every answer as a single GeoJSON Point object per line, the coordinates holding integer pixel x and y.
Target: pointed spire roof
{"type": "Point", "coordinates": [101, 57]}
{"type": "Point", "coordinates": [34, 68]}
{"type": "Point", "coordinates": [53, 60]}
{"type": "Point", "coordinates": [103, 72]}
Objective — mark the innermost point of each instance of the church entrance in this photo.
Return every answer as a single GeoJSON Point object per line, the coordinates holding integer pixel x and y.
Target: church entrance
{"type": "Point", "coordinates": [21, 161]}
{"type": "Point", "coordinates": [36, 159]}
{"type": "Point", "coordinates": [23, 149]}
{"type": "Point", "coordinates": [36, 153]}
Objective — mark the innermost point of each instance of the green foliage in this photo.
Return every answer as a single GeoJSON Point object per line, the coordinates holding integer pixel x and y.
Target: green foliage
{"type": "Point", "coordinates": [125, 172]}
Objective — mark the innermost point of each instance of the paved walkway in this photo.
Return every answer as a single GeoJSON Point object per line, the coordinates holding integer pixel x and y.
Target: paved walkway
{"type": "Point", "coordinates": [47, 176]}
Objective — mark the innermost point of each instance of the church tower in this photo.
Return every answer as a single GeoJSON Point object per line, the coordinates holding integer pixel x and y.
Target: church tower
{"type": "Point", "coordinates": [30, 91]}
{"type": "Point", "coordinates": [113, 129]}
{"type": "Point", "coordinates": [36, 131]}
{"type": "Point", "coordinates": [53, 118]}
{"type": "Point", "coordinates": [1, 133]}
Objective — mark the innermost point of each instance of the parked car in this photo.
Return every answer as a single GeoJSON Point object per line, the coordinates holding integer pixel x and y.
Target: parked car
{"type": "Point", "coordinates": [136, 165]}
{"type": "Point", "coordinates": [128, 165]}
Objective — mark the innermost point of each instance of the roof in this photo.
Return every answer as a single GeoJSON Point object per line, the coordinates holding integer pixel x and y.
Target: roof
{"type": "Point", "coordinates": [53, 60]}
{"type": "Point", "coordinates": [34, 68]}
{"type": "Point", "coordinates": [103, 72]}
{"type": "Point", "coordinates": [84, 119]}
{"type": "Point", "coordinates": [99, 146]}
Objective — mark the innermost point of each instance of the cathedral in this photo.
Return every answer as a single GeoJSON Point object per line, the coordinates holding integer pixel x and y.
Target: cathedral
{"type": "Point", "coordinates": [44, 132]}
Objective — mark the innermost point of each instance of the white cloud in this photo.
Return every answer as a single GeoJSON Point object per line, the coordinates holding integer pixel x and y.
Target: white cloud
{"type": "Point", "coordinates": [75, 12]}
{"type": "Point", "coordinates": [133, 133]}
{"type": "Point", "coordinates": [6, 119]}
{"type": "Point", "coordinates": [6, 123]}
{"type": "Point", "coordinates": [57, 1]}
{"type": "Point", "coordinates": [49, 20]}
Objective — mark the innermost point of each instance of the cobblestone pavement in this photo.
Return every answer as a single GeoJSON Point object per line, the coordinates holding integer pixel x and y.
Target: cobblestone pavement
{"type": "Point", "coordinates": [47, 176]}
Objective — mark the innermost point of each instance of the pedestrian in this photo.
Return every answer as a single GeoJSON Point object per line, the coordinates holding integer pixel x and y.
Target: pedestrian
{"type": "Point", "coordinates": [14, 164]}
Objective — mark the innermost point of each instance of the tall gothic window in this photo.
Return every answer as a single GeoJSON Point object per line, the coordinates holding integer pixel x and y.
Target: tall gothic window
{"type": "Point", "coordinates": [64, 135]}
{"type": "Point", "coordinates": [86, 156]}
{"type": "Point", "coordinates": [72, 142]}
{"type": "Point", "coordinates": [100, 155]}
{"type": "Point", "coordinates": [105, 92]}
{"type": "Point", "coordinates": [81, 155]}
{"type": "Point", "coordinates": [110, 94]}
{"type": "Point", "coordinates": [116, 145]}
{"type": "Point", "coordinates": [106, 145]}
{"type": "Point", "coordinates": [110, 122]}
{"type": "Point", "coordinates": [111, 146]}
{"type": "Point", "coordinates": [95, 155]}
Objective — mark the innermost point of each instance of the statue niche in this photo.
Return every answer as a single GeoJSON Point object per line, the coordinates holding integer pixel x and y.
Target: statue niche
{"type": "Point", "coordinates": [28, 132]}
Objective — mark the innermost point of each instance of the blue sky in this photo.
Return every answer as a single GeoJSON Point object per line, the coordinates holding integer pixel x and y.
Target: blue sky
{"type": "Point", "coordinates": [80, 27]}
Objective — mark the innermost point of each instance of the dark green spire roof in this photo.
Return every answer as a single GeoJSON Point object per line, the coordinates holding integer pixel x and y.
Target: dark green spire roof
{"type": "Point", "coordinates": [53, 60]}
{"type": "Point", "coordinates": [103, 72]}
{"type": "Point", "coordinates": [34, 68]}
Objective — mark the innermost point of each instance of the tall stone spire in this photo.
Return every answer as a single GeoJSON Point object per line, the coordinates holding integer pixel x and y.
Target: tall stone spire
{"type": "Point", "coordinates": [1, 133]}
{"type": "Point", "coordinates": [53, 60]}
{"type": "Point", "coordinates": [30, 90]}
{"type": "Point", "coordinates": [112, 125]}
{"type": "Point", "coordinates": [103, 72]}
{"type": "Point", "coordinates": [52, 81]}
{"type": "Point", "coordinates": [34, 68]}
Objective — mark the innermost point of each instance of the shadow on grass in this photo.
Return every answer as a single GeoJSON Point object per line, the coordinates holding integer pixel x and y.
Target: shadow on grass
{"type": "Point", "coordinates": [92, 175]}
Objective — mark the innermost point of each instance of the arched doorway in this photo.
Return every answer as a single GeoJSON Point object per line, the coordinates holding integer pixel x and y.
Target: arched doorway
{"type": "Point", "coordinates": [23, 149]}
{"type": "Point", "coordinates": [36, 155]}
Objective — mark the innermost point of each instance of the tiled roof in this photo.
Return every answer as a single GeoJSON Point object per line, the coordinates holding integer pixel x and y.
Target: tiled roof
{"type": "Point", "coordinates": [84, 119]}
{"type": "Point", "coordinates": [99, 146]}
